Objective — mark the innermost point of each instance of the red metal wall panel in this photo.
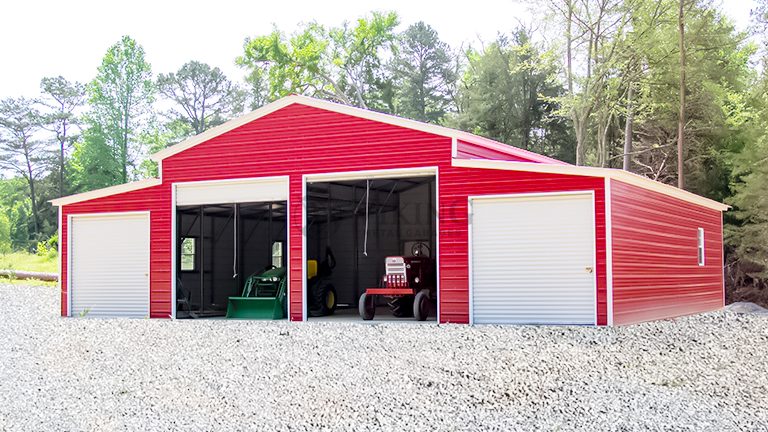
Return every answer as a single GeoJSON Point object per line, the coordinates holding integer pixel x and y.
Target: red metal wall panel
{"type": "Point", "coordinates": [298, 140]}
{"type": "Point", "coordinates": [156, 200]}
{"type": "Point", "coordinates": [470, 151]}
{"type": "Point", "coordinates": [457, 184]}
{"type": "Point", "coordinates": [655, 265]}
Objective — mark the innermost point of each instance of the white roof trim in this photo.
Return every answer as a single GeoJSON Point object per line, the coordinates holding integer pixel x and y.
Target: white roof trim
{"type": "Point", "coordinates": [348, 110]}
{"type": "Point", "coordinates": [107, 191]}
{"type": "Point", "coordinates": [611, 173]}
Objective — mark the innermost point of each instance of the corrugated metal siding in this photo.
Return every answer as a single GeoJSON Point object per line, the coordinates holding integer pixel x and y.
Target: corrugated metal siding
{"type": "Point", "coordinates": [299, 140]}
{"type": "Point", "coordinates": [655, 267]}
{"type": "Point", "coordinates": [156, 200]}
{"type": "Point", "coordinates": [533, 260]}
{"type": "Point", "coordinates": [456, 184]}
{"type": "Point", "coordinates": [466, 150]}
{"type": "Point", "coordinates": [110, 278]}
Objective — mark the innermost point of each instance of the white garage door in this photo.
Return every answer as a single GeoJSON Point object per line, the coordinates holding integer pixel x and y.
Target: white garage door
{"type": "Point", "coordinates": [533, 260]}
{"type": "Point", "coordinates": [109, 258]}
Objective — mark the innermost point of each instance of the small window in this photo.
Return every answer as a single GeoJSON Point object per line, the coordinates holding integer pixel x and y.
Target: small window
{"type": "Point", "coordinates": [701, 246]}
{"type": "Point", "coordinates": [188, 255]}
{"type": "Point", "coordinates": [277, 254]}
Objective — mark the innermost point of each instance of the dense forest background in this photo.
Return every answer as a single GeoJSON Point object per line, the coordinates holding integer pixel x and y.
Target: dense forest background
{"type": "Point", "coordinates": [668, 89]}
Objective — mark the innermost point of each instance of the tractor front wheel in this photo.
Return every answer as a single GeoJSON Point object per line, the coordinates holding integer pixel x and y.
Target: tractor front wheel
{"type": "Point", "coordinates": [329, 303]}
{"type": "Point", "coordinates": [367, 307]}
{"type": "Point", "coordinates": [421, 306]}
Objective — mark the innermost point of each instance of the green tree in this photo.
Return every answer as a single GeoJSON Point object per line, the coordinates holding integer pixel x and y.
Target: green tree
{"type": "Point", "coordinates": [424, 74]}
{"type": "Point", "coordinates": [14, 206]}
{"type": "Point", "coordinates": [5, 233]}
{"type": "Point", "coordinates": [343, 64]}
{"type": "Point", "coordinates": [94, 164]}
{"type": "Point", "coordinates": [510, 93]}
{"type": "Point", "coordinates": [203, 96]}
{"type": "Point", "coordinates": [20, 152]}
{"type": "Point", "coordinates": [62, 98]}
{"type": "Point", "coordinates": [593, 35]}
{"type": "Point", "coordinates": [120, 97]}
{"type": "Point", "coordinates": [714, 102]}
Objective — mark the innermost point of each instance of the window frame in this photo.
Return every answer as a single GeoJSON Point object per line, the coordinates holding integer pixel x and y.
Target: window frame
{"type": "Point", "coordinates": [700, 247]}
{"type": "Point", "coordinates": [194, 254]}
{"type": "Point", "coordinates": [281, 255]}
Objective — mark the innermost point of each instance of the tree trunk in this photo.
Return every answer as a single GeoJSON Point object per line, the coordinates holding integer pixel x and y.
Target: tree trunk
{"type": "Point", "coordinates": [124, 147]}
{"type": "Point", "coordinates": [569, 49]}
{"type": "Point", "coordinates": [62, 143]}
{"type": "Point", "coordinates": [580, 127]}
{"type": "Point", "coordinates": [32, 194]}
{"type": "Point", "coordinates": [627, 165]}
{"type": "Point", "coordinates": [681, 116]}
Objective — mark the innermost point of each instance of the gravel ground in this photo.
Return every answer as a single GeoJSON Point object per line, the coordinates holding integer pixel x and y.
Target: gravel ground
{"type": "Point", "coordinates": [706, 372]}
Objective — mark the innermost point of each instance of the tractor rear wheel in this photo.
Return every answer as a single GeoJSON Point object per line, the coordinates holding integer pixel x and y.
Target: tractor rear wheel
{"type": "Point", "coordinates": [367, 307]}
{"type": "Point", "coordinates": [402, 306]}
{"type": "Point", "coordinates": [421, 306]}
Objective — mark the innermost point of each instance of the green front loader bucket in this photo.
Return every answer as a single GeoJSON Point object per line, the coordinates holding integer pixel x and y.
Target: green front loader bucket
{"type": "Point", "coordinates": [255, 308]}
{"type": "Point", "coordinates": [264, 296]}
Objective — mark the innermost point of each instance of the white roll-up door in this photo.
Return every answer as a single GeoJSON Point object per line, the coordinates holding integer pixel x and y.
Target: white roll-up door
{"type": "Point", "coordinates": [233, 191]}
{"type": "Point", "coordinates": [533, 259]}
{"type": "Point", "coordinates": [109, 259]}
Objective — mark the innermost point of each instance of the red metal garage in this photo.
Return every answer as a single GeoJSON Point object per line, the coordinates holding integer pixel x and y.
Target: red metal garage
{"type": "Point", "coordinates": [520, 238]}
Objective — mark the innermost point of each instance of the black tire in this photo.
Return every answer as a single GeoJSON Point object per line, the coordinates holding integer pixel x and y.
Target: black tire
{"type": "Point", "coordinates": [402, 306]}
{"type": "Point", "coordinates": [318, 301]}
{"type": "Point", "coordinates": [366, 307]}
{"type": "Point", "coordinates": [330, 297]}
{"type": "Point", "coordinates": [421, 306]}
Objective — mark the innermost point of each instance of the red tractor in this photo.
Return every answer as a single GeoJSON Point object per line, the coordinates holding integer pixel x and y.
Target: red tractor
{"type": "Point", "coordinates": [408, 283]}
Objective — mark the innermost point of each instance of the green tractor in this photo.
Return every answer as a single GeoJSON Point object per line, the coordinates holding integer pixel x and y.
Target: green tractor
{"type": "Point", "coordinates": [265, 294]}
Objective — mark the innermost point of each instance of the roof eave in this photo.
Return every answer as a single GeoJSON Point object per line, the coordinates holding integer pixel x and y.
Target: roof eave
{"type": "Point", "coordinates": [611, 173]}
{"type": "Point", "coordinates": [105, 192]}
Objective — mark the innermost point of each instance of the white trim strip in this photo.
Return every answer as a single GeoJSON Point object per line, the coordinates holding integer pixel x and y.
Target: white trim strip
{"type": "Point", "coordinates": [174, 245]}
{"type": "Point", "coordinates": [470, 285]}
{"type": "Point", "coordinates": [371, 174]}
{"type": "Point", "coordinates": [104, 192]}
{"type": "Point", "coordinates": [616, 174]}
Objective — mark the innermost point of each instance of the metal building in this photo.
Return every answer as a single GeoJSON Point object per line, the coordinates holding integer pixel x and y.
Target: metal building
{"type": "Point", "coordinates": [517, 237]}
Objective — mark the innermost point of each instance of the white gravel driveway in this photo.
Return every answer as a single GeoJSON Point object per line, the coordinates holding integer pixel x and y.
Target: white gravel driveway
{"type": "Point", "coordinates": [707, 372]}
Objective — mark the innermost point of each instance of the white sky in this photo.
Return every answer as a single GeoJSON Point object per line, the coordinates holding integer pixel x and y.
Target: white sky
{"type": "Point", "coordinates": [69, 38]}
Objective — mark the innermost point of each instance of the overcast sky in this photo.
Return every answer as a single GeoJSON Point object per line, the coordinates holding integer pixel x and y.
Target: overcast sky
{"type": "Point", "coordinates": [69, 38]}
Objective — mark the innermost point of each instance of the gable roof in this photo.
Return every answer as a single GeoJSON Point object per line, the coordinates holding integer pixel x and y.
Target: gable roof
{"type": "Point", "coordinates": [354, 112]}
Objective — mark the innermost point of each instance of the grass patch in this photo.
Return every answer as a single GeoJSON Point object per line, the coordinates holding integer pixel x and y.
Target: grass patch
{"type": "Point", "coordinates": [25, 261]}
{"type": "Point", "coordinates": [27, 282]}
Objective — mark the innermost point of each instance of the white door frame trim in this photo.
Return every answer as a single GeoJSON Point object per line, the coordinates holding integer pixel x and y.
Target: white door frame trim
{"type": "Point", "coordinates": [72, 216]}
{"type": "Point", "coordinates": [174, 228]}
{"type": "Point", "coordinates": [428, 171]}
{"type": "Point", "coordinates": [472, 198]}
{"type": "Point", "coordinates": [608, 253]}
